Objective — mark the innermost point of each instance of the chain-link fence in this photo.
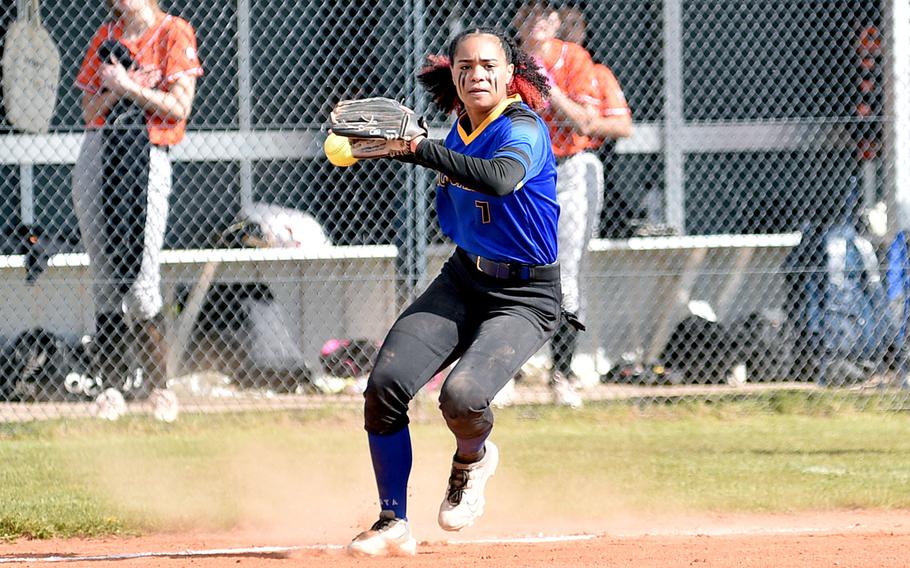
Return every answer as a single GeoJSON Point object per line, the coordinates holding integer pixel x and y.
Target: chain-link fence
{"type": "Point", "coordinates": [750, 236]}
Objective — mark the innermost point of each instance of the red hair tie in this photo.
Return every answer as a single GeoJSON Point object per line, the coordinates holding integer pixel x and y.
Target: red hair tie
{"type": "Point", "coordinates": [435, 62]}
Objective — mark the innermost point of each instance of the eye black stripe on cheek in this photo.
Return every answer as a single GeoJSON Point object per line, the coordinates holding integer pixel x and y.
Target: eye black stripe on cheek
{"type": "Point", "coordinates": [495, 84]}
{"type": "Point", "coordinates": [462, 79]}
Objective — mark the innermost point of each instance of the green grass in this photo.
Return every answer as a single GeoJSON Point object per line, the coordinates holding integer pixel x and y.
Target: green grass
{"type": "Point", "coordinates": [779, 453]}
{"type": "Point", "coordinates": [693, 461]}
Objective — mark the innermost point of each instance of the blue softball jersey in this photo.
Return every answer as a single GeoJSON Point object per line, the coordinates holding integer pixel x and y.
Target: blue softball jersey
{"type": "Point", "coordinates": [519, 226]}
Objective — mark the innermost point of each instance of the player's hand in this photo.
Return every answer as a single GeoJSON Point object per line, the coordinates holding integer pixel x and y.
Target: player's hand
{"type": "Point", "coordinates": [115, 78]}
{"type": "Point", "coordinates": [369, 148]}
{"type": "Point", "coordinates": [378, 127]}
{"type": "Point", "coordinates": [147, 76]}
{"type": "Point", "coordinates": [413, 144]}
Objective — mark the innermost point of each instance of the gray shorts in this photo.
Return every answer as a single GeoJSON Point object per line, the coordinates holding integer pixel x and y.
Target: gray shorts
{"type": "Point", "coordinates": [143, 300]}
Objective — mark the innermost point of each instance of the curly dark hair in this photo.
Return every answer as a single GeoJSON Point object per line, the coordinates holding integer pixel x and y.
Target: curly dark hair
{"type": "Point", "coordinates": [527, 80]}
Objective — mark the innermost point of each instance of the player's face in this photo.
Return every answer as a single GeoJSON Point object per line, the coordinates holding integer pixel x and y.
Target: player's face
{"type": "Point", "coordinates": [535, 24]}
{"type": "Point", "coordinates": [127, 7]}
{"type": "Point", "coordinates": [572, 27]}
{"type": "Point", "coordinates": [481, 72]}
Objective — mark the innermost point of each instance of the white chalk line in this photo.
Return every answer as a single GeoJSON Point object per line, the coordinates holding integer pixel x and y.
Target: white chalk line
{"type": "Point", "coordinates": [769, 531]}
{"type": "Point", "coordinates": [249, 551]}
{"type": "Point", "coordinates": [266, 550]}
{"type": "Point", "coordinates": [540, 539]}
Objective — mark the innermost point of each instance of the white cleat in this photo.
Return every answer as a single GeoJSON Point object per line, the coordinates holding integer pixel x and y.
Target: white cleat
{"type": "Point", "coordinates": [389, 536]}
{"type": "Point", "coordinates": [464, 501]}
{"type": "Point", "coordinates": [564, 393]}
{"type": "Point", "coordinates": [165, 407]}
{"type": "Point", "coordinates": [109, 405]}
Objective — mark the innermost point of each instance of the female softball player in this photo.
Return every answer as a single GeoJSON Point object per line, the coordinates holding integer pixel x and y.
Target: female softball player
{"type": "Point", "coordinates": [138, 79]}
{"type": "Point", "coordinates": [497, 299]}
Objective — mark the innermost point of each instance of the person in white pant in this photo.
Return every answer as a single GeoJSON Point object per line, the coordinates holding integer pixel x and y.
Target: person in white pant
{"type": "Point", "coordinates": [138, 79]}
{"type": "Point", "coordinates": [579, 120]}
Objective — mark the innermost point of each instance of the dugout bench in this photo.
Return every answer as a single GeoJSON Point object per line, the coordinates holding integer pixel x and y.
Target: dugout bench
{"type": "Point", "coordinates": [635, 289]}
{"type": "Point", "coordinates": [327, 292]}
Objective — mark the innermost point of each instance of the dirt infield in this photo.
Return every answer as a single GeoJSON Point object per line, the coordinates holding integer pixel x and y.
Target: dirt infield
{"type": "Point", "coordinates": [829, 539]}
{"type": "Point", "coordinates": [302, 512]}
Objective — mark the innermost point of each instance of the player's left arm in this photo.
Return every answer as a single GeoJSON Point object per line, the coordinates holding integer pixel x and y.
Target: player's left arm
{"type": "Point", "coordinates": [379, 127]}
{"type": "Point", "coordinates": [612, 126]}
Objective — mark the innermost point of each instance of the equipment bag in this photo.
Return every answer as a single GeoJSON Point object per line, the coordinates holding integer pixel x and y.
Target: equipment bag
{"type": "Point", "coordinates": [40, 366]}
{"type": "Point", "coordinates": [839, 303]}
{"type": "Point", "coordinates": [700, 351]}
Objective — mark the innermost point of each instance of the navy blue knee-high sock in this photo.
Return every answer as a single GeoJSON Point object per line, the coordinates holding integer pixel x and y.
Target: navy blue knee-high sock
{"type": "Point", "coordinates": [392, 459]}
{"type": "Point", "coordinates": [470, 449]}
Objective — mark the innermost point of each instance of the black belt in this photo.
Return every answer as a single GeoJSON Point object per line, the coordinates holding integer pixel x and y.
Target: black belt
{"type": "Point", "coordinates": [512, 270]}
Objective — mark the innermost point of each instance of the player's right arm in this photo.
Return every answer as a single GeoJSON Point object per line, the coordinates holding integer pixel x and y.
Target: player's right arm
{"type": "Point", "coordinates": [172, 97]}
{"type": "Point", "coordinates": [96, 102]}
{"type": "Point", "coordinates": [576, 99]}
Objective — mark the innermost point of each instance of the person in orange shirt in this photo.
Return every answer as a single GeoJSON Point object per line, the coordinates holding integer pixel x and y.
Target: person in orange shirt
{"type": "Point", "coordinates": [574, 102]}
{"type": "Point", "coordinates": [614, 121]}
{"type": "Point", "coordinates": [138, 80]}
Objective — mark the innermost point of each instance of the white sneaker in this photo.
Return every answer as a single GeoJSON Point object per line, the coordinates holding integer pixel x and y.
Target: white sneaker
{"type": "Point", "coordinates": [464, 501]}
{"type": "Point", "coordinates": [109, 405]}
{"type": "Point", "coordinates": [165, 406]}
{"type": "Point", "coordinates": [389, 536]}
{"type": "Point", "coordinates": [564, 393]}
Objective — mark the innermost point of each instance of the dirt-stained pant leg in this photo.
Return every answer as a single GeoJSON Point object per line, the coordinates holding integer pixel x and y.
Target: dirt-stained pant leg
{"type": "Point", "coordinates": [423, 340]}
{"type": "Point", "coordinates": [502, 345]}
{"type": "Point", "coordinates": [492, 325]}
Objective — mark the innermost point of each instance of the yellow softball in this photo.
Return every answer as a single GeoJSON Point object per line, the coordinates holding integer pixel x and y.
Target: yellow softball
{"type": "Point", "coordinates": [338, 150]}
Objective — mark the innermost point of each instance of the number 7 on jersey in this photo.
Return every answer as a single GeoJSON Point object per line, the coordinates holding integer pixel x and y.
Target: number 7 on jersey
{"type": "Point", "coordinates": [484, 207]}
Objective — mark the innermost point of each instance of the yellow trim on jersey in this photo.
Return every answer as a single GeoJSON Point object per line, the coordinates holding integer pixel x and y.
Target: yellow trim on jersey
{"type": "Point", "coordinates": [494, 114]}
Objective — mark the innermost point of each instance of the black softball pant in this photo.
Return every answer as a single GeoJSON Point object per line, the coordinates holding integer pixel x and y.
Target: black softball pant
{"type": "Point", "coordinates": [490, 325]}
